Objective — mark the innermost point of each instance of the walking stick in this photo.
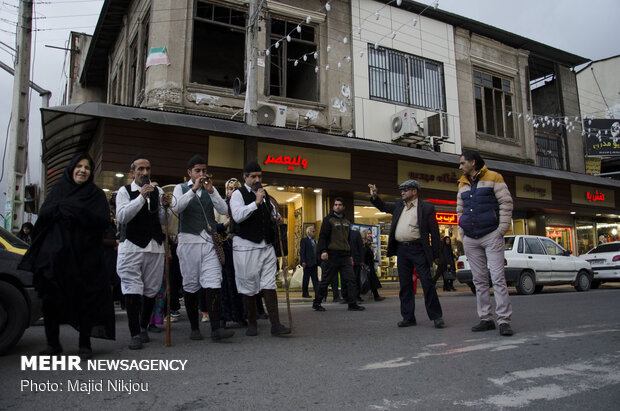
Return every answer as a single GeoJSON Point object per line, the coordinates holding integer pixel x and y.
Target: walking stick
{"type": "Point", "coordinates": [167, 276]}
{"type": "Point", "coordinates": [284, 268]}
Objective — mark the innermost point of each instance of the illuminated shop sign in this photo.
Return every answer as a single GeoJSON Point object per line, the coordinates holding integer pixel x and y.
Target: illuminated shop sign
{"type": "Point", "coordinates": [447, 218]}
{"type": "Point", "coordinates": [596, 196]}
{"type": "Point", "coordinates": [291, 162]}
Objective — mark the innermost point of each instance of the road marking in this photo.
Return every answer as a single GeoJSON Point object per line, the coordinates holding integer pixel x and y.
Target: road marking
{"type": "Point", "coordinates": [564, 334]}
{"type": "Point", "coordinates": [393, 405]}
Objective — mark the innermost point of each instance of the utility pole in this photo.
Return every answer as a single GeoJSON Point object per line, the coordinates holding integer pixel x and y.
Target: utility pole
{"type": "Point", "coordinates": [18, 134]}
{"type": "Point", "coordinates": [251, 94]}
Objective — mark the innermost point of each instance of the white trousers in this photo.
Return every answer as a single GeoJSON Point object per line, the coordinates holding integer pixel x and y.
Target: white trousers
{"type": "Point", "coordinates": [255, 269]}
{"type": "Point", "coordinates": [200, 266]}
{"type": "Point", "coordinates": [140, 273]}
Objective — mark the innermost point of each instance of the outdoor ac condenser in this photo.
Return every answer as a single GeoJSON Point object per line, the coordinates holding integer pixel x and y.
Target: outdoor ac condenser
{"type": "Point", "coordinates": [404, 124]}
{"type": "Point", "coordinates": [271, 114]}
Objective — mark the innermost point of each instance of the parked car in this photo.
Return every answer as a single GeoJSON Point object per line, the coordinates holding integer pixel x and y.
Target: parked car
{"type": "Point", "coordinates": [605, 262]}
{"type": "Point", "coordinates": [531, 262]}
{"type": "Point", "coordinates": [10, 242]}
{"type": "Point", "coordinates": [20, 306]}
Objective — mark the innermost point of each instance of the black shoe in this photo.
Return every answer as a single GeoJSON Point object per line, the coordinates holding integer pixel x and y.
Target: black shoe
{"type": "Point", "coordinates": [342, 302]}
{"type": "Point", "coordinates": [252, 331]}
{"type": "Point", "coordinates": [220, 333]}
{"type": "Point", "coordinates": [439, 323]}
{"type": "Point", "coordinates": [306, 296]}
{"type": "Point", "coordinates": [51, 350]}
{"type": "Point", "coordinates": [135, 343]}
{"type": "Point", "coordinates": [484, 325]}
{"type": "Point", "coordinates": [407, 323]}
{"type": "Point", "coordinates": [154, 329]}
{"type": "Point", "coordinates": [223, 324]}
{"type": "Point", "coordinates": [144, 337]}
{"type": "Point", "coordinates": [356, 307]}
{"type": "Point", "coordinates": [195, 335]}
{"type": "Point", "coordinates": [336, 300]}
{"type": "Point", "coordinates": [380, 298]}
{"type": "Point", "coordinates": [263, 316]}
{"type": "Point", "coordinates": [242, 323]}
{"type": "Point", "coordinates": [85, 353]}
{"type": "Point", "coordinates": [504, 329]}
{"type": "Point", "coordinates": [318, 307]}
{"type": "Point", "coordinates": [360, 299]}
{"type": "Point", "coordinates": [279, 329]}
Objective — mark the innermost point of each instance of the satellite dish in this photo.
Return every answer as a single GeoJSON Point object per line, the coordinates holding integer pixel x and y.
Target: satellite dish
{"type": "Point", "coordinates": [239, 87]}
{"type": "Point", "coordinates": [266, 115]}
{"type": "Point", "coordinates": [397, 124]}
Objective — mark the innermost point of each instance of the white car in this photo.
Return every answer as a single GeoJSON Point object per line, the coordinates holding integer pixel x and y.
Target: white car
{"type": "Point", "coordinates": [605, 262]}
{"type": "Point", "coordinates": [531, 262]}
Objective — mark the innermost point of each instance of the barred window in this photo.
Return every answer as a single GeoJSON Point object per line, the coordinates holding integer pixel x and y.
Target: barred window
{"type": "Point", "coordinates": [405, 79]}
{"type": "Point", "coordinates": [549, 149]}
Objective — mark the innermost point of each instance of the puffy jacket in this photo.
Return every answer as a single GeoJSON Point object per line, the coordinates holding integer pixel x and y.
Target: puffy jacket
{"type": "Point", "coordinates": [483, 205]}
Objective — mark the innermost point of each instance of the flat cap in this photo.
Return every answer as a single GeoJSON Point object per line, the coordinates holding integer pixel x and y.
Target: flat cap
{"type": "Point", "coordinates": [409, 184]}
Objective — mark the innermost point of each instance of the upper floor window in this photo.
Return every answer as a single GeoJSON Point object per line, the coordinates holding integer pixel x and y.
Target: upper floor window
{"type": "Point", "coordinates": [405, 79]}
{"type": "Point", "coordinates": [218, 45]}
{"type": "Point", "coordinates": [549, 149]}
{"type": "Point", "coordinates": [289, 75]}
{"type": "Point", "coordinates": [493, 96]}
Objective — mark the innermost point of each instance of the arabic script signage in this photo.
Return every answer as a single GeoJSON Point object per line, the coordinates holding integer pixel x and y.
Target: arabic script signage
{"type": "Point", "coordinates": [602, 137]}
{"type": "Point", "coordinates": [592, 196]}
{"type": "Point", "coordinates": [533, 188]}
{"type": "Point", "coordinates": [447, 218]}
{"type": "Point", "coordinates": [429, 176]}
{"type": "Point", "coordinates": [280, 158]}
{"type": "Point", "coordinates": [291, 162]}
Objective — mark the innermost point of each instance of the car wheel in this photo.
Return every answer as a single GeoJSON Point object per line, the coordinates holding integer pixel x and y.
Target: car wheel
{"type": "Point", "coordinates": [526, 284]}
{"type": "Point", "coordinates": [583, 281]}
{"type": "Point", "coordinates": [13, 316]}
{"type": "Point", "coordinates": [595, 284]}
{"type": "Point", "coordinates": [538, 288]}
{"type": "Point", "coordinates": [472, 287]}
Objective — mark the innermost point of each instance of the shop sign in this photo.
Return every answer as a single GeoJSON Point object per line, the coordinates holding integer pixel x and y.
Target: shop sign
{"type": "Point", "coordinates": [534, 188]}
{"type": "Point", "coordinates": [429, 176]}
{"type": "Point", "coordinates": [593, 165]}
{"type": "Point", "coordinates": [225, 152]}
{"type": "Point", "coordinates": [280, 158]}
{"type": "Point", "coordinates": [591, 196]}
{"type": "Point", "coordinates": [447, 218]}
{"type": "Point", "coordinates": [602, 137]}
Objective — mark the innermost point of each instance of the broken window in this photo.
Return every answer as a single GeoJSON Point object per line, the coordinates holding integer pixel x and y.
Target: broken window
{"type": "Point", "coordinates": [289, 74]}
{"type": "Point", "coordinates": [218, 45]}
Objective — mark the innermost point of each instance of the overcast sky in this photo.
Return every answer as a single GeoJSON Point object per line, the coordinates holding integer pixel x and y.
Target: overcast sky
{"type": "Point", "coordinates": [586, 28]}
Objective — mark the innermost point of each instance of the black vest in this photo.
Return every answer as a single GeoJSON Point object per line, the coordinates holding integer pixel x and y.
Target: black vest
{"type": "Point", "coordinates": [145, 226]}
{"type": "Point", "coordinates": [258, 226]}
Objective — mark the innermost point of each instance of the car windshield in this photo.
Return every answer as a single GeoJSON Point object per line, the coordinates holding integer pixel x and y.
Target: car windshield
{"type": "Point", "coordinates": [605, 248]}
{"type": "Point", "coordinates": [509, 242]}
{"type": "Point", "coordinates": [12, 239]}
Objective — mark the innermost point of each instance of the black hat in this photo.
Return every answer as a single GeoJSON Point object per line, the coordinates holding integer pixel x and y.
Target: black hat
{"type": "Point", "coordinates": [252, 167]}
{"type": "Point", "coordinates": [409, 184]}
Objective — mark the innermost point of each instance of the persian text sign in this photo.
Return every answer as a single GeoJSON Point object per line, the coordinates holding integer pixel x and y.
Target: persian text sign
{"type": "Point", "coordinates": [279, 158]}
{"type": "Point", "coordinates": [533, 188]}
{"type": "Point", "coordinates": [592, 196]}
{"type": "Point", "coordinates": [447, 218]}
{"type": "Point", "coordinates": [429, 176]}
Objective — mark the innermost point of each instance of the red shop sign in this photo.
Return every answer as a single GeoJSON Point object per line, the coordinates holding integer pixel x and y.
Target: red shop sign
{"type": "Point", "coordinates": [447, 218]}
{"type": "Point", "coordinates": [290, 161]}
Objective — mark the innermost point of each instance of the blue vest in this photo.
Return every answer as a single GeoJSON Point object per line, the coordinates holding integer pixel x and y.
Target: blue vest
{"type": "Point", "coordinates": [192, 219]}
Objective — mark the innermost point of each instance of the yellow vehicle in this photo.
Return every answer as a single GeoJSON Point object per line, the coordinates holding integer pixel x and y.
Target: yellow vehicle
{"type": "Point", "coordinates": [10, 242]}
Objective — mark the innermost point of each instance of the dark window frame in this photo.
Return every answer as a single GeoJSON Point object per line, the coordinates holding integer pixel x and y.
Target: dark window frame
{"type": "Point", "coordinates": [488, 88]}
{"type": "Point", "coordinates": [400, 73]}
{"type": "Point", "coordinates": [549, 150]}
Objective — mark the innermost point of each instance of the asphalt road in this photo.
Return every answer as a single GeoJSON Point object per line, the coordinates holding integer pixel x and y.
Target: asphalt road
{"type": "Point", "coordinates": [564, 356]}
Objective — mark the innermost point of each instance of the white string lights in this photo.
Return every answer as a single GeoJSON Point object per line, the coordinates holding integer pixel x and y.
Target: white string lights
{"type": "Point", "coordinates": [345, 39]}
{"type": "Point", "coordinates": [569, 123]}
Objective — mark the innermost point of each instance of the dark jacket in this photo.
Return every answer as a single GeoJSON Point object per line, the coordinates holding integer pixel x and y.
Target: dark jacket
{"type": "Point", "coordinates": [307, 252]}
{"type": "Point", "coordinates": [334, 235]}
{"type": "Point", "coordinates": [357, 247]}
{"type": "Point", "coordinates": [427, 224]}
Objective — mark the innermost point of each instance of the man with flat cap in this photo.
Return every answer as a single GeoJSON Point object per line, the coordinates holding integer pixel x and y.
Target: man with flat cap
{"type": "Point", "coordinates": [413, 222]}
{"type": "Point", "coordinates": [253, 248]}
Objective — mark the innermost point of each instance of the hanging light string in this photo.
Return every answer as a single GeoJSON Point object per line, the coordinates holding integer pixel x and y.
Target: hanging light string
{"type": "Point", "coordinates": [327, 7]}
{"type": "Point", "coordinates": [569, 123]}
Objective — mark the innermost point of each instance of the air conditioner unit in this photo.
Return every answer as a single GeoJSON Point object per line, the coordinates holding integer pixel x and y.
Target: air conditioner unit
{"type": "Point", "coordinates": [271, 114]}
{"type": "Point", "coordinates": [404, 124]}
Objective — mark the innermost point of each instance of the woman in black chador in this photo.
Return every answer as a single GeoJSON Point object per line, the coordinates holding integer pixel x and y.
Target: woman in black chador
{"type": "Point", "coordinates": [369, 260]}
{"type": "Point", "coordinates": [66, 258]}
{"type": "Point", "coordinates": [446, 267]}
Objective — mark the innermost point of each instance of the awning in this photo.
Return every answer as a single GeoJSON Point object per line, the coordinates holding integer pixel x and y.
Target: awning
{"type": "Point", "coordinates": [68, 130]}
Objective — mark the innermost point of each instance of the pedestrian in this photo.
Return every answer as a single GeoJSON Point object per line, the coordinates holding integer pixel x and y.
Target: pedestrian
{"type": "Point", "coordinates": [484, 208]}
{"type": "Point", "coordinates": [357, 254]}
{"type": "Point", "coordinates": [413, 225]}
{"type": "Point", "coordinates": [307, 258]}
{"type": "Point", "coordinates": [66, 259]}
{"type": "Point", "coordinates": [140, 263]}
{"type": "Point", "coordinates": [369, 261]}
{"type": "Point", "coordinates": [254, 255]}
{"type": "Point", "coordinates": [199, 248]}
{"type": "Point", "coordinates": [446, 268]}
{"type": "Point", "coordinates": [335, 251]}
{"type": "Point", "coordinates": [24, 233]}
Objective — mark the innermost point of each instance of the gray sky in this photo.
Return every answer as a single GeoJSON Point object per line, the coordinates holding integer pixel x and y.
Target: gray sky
{"type": "Point", "coordinates": [586, 28]}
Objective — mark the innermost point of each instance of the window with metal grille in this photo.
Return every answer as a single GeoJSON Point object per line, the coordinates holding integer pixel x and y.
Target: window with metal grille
{"type": "Point", "coordinates": [549, 151]}
{"type": "Point", "coordinates": [494, 105]}
{"type": "Point", "coordinates": [402, 78]}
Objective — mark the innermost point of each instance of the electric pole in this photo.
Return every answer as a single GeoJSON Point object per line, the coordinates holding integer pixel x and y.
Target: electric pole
{"type": "Point", "coordinates": [18, 134]}
{"type": "Point", "coordinates": [251, 93]}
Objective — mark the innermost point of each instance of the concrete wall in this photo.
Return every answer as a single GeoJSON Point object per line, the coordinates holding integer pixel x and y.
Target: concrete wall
{"type": "Point", "coordinates": [591, 99]}
{"type": "Point", "coordinates": [75, 92]}
{"type": "Point", "coordinates": [430, 39]}
{"type": "Point", "coordinates": [474, 51]}
{"type": "Point", "coordinates": [570, 108]}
